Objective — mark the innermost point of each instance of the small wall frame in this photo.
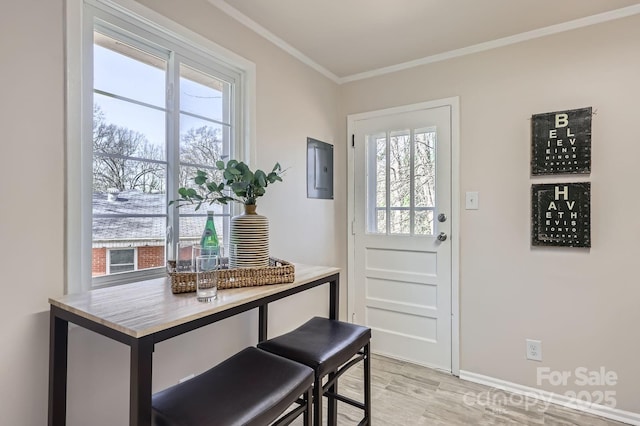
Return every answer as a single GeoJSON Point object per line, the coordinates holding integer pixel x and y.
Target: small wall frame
{"type": "Point", "coordinates": [561, 142]}
{"type": "Point", "coordinates": [561, 214]}
{"type": "Point", "coordinates": [319, 169]}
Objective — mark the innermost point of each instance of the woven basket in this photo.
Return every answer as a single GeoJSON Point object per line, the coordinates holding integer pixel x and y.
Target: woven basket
{"type": "Point", "coordinates": [278, 272]}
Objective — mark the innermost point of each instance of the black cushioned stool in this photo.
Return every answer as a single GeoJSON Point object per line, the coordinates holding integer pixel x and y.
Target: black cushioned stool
{"type": "Point", "coordinates": [252, 387]}
{"type": "Point", "coordinates": [325, 345]}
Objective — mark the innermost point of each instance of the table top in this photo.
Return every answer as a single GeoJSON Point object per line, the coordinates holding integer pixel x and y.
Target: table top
{"type": "Point", "coordinates": [146, 307]}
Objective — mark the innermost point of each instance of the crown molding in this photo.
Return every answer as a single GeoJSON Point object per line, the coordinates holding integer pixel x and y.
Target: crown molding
{"type": "Point", "coordinates": [469, 50]}
{"type": "Point", "coordinates": [262, 31]}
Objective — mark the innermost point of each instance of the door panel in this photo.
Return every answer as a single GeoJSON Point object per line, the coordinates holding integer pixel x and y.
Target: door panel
{"type": "Point", "coordinates": [402, 182]}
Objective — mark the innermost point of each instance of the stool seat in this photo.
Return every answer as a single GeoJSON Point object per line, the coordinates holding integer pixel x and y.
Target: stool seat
{"type": "Point", "coordinates": [320, 343]}
{"type": "Point", "coordinates": [252, 387]}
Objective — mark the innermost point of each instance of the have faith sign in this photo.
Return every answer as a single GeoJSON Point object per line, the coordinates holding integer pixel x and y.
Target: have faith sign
{"type": "Point", "coordinates": [561, 142]}
{"type": "Point", "coordinates": [561, 214]}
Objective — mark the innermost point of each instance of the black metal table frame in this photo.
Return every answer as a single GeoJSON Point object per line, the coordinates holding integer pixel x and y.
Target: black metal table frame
{"type": "Point", "coordinates": [141, 358]}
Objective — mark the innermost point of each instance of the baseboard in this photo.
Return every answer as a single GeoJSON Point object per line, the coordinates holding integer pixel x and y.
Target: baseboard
{"type": "Point", "coordinates": [596, 409]}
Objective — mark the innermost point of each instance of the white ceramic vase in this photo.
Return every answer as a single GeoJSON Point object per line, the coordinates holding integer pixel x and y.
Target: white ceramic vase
{"type": "Point", "coordinates": [249, 240]}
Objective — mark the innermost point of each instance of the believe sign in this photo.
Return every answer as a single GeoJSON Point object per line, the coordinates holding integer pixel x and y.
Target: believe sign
{"type": "Point", "coordinates": [561, 142]}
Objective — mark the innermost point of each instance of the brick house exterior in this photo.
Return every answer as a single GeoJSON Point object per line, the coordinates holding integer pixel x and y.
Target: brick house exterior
{"type": "Point", "coordinates": [147, 257]}
{"type": "Point", "coordinates": [114, 230]}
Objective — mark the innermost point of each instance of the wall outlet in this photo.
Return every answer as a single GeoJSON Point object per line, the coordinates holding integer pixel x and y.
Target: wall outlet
{"type": "Point", "coordinates": [534, 350]}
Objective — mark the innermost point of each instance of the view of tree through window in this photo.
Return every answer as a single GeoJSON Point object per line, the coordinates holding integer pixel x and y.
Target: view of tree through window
{"type": "Point", "coordinates": [138, 136]}
{"type": "Point", "coordinates": [114, 148]}
{"type": "Point", "coordinates": [401, 169]}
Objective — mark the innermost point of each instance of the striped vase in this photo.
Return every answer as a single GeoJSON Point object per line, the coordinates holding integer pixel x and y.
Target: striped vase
{"type": "Point", "coordinates": [249, 240]}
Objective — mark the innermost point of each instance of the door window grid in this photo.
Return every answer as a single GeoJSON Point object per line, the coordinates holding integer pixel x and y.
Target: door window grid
{"type": "Point", "coordinates": [400, 169]}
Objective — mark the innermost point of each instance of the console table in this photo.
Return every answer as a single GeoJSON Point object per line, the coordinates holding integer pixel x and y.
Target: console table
{"type": "Point", "coordinates": [145, 313]}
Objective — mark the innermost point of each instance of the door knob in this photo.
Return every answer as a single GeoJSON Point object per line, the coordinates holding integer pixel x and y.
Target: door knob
{"type": "Point", "coordinates": [442, 236]}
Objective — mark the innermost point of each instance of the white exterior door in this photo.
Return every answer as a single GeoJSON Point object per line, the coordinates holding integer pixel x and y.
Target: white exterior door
{"type": "Point", "coordinates": [402, 260]}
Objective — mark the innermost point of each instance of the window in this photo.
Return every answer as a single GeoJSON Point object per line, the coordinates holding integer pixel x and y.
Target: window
{"type": "Point", "coordinates": [401, 182]}
{"type": "Point", "coordinates": [121, 260]}
{"type": "Point", "coordinates": [155, 107]}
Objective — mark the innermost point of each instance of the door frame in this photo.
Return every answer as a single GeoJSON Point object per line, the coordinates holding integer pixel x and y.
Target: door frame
{"type": "Point", "coordinates": [454, 104]}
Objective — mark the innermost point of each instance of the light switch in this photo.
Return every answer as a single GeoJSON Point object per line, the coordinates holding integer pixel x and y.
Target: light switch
{"type": "Point", "coordinates": [471, 202]}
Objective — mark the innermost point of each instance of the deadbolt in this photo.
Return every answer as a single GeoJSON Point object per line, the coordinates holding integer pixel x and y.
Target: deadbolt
{"type": "Point", "coordinates": [442, 217]}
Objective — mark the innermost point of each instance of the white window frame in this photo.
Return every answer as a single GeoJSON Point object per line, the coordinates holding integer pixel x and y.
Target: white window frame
{"type": "Point", "coordinates": [80, 18]}
{"type": "Point", "coordinates": [135, 258]}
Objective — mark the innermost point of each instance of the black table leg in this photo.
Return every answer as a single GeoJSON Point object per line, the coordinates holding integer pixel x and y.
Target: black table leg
{"type": "Point", "coordinates": [263, 318]}
{"type": "Point", "coordinates": [140, 381]}
{"type": "Point", "coordinates": [334, 298]}
{"type": "Point", "coordinates": [334, 313]}
{"type": "Point", "coordinates": [58, 347]}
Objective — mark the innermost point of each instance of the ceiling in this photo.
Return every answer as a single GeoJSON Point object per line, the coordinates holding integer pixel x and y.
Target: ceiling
{"type": "Point", "coordinates": [345, 38]}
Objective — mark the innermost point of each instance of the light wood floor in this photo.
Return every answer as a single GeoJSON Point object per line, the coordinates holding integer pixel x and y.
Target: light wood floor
{"type": "Point", "coordinates": [404, 394]}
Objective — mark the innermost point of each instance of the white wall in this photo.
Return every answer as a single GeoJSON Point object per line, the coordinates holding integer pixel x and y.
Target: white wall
{"type": "Point", "coordinates": [581, 303]}
{"type": "Point", "coordinates": [32, 189]}
{"type": "Point", "coordinates": [293, 102]}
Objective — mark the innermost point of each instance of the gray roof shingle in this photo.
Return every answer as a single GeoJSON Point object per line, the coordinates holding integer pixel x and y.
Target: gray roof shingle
{"type": "Point", "coordinates": [142, 230]}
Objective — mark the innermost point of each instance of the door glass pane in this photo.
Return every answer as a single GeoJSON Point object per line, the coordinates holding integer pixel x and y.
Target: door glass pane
{"type": "Point", "coordinates": [424, 222]}
{"type": "Point", "coordinates": [381, 221]}
{"type": "Point", "coordinates": [425, 168]}
{"type": "Point", "coordinates": [400, 221]}
{"type": "Point", "coordinates": [376, 170]}
{"type": "Point", "coordinates": [400, 182]}
{"type": "Point", "coordinates": [425, 180]}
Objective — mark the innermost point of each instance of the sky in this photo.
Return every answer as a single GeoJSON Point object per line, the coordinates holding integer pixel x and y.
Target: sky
{"type": "Point", "coordinates": [123, 76]}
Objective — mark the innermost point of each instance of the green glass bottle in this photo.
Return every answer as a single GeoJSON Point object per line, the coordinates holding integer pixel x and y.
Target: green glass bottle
{"type": "Point", "coordinates": [209, 240]}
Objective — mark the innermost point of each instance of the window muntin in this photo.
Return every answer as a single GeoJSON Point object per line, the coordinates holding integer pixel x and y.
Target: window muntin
{"type": "Point", "coordinates": [400, 170]}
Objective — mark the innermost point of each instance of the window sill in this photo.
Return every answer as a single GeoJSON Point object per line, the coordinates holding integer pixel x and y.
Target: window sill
{"type": "Point", "coordinates": [127, 278]}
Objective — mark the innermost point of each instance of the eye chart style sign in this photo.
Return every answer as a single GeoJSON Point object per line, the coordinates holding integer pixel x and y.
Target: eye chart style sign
{"type": "Point", "coordinates": [561, 214]}
{"type": "Point", "coordinates": [561, 142]}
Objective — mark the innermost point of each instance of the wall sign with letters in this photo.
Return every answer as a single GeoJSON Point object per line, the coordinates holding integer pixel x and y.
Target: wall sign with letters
{"type": "Point", "coordinates": [561, 142]}
{"type": "Point", "coordinates": [561, 214]}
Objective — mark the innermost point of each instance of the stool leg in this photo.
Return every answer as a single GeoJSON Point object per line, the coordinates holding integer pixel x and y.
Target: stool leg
{"type": "Point", "coordinates": [317, 402]}
{"type": "Point", "coordinates": [367, 382]}
{"type": "Point", "coordinates": [332, 403]}
{"type": "Point", "coordinates": [308, 398]}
